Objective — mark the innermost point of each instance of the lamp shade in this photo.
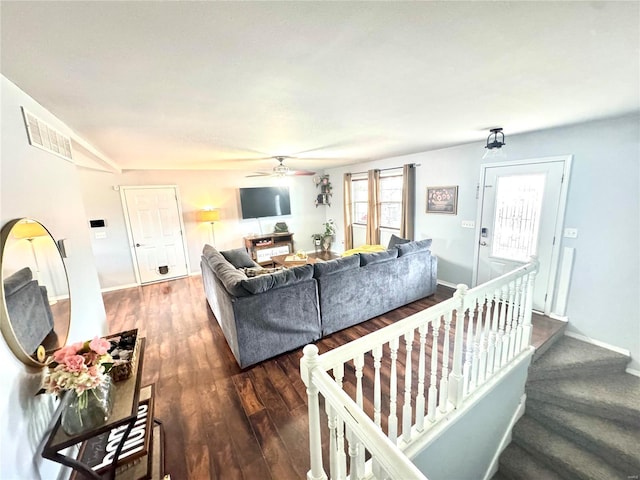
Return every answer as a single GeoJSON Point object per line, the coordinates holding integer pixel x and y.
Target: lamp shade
{"type": "Point", "coordinates": [208, 215]}
{"type": "Point", "coordinates": [28, 230]}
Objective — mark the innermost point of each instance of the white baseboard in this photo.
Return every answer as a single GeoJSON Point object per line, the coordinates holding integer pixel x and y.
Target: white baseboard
{"type": "Point", "coordinates": [506, 439]}
{"type": "Point", "coordinates": [196, 273]}
{"type": "Point", "coordinates": [559, 317]}
{"type": "Point", "coordinates": [633, 371]}
{"type": "Point", "coordinates": [447, 284]}
{"type": "Point", "coordinates": [598, 343]}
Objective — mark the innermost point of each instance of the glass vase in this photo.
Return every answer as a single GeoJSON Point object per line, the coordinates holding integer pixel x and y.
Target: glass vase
{"type": "Point", "coordinates": [88, 410]}
{"type": "Point", "coordinates": [326, 243]}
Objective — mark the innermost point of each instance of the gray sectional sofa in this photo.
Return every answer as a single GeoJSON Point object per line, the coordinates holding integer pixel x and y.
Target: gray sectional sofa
{"type": "Point", "coordinates": [267, 315]}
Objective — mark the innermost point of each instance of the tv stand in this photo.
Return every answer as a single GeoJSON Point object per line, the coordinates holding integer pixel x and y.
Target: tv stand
{"type": "Point", "coordinates": [263, 247]}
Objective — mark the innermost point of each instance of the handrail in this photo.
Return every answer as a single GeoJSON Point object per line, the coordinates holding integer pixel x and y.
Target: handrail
{"type": "Point", "coordinates": [488, 326]}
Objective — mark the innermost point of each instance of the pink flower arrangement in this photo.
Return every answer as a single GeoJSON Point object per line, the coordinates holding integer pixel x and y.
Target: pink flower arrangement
{"type": "Point", "coordinates": [81, 366]}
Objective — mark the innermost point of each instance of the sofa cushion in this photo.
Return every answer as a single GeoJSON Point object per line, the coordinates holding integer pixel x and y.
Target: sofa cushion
{"type": "Point", "coordinates": [263, 283]}
{"type": "Point", "coordinates": [212, 255]}
{"type": "Point", "coordinates": [230, 277]}
{"type": "Point", "coordinates": [336, 265]}
{"type": "Point", "coordinates": [413, 247]}
{"type": "Point", "coordinates": [378, 257]}
{"type": "Point", "coordinates": [238, 257]}
{"type": "Point", "coordinates": [17, 280]}
{"type": "Point", "coordinates": [396, 240]}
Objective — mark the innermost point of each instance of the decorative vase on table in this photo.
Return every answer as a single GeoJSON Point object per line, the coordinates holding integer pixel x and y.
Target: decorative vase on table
{"type": "Point", "coordinates": [326, 243]}
{"type": "Point", "coordinates": [88, 410]}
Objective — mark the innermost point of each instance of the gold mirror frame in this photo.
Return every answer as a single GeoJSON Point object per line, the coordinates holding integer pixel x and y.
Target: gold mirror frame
{"type": "Point", "coordinates": [40, 240]}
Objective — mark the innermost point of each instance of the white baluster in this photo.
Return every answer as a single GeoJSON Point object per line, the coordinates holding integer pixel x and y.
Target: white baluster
{"type": "Point", "coordinates": [456, 378]}
{"type": "Point", "coordinates": [474, 348]}
{"type": "Point", "coordinates": [308, 363]}
{"type": "Point", "coordinates": [433, 381]}
{"type": "Point", "coordinates": [358, 363]}
{"type": "Point", "coordinates": [514, 318]}
{"type": "Point", "coordinates": [444, 379]}
{"type": "Point", "coordinates": [377, 361]}
{"type": "Point", "coordinates": [407, 410]}
{"type": "Point", "coordinates": [484, 339]}
{"type": "Point", "coordinates": [422, 332]}
{"type": "Point", "coordinates": [504, 291]}
{"type": "Point", "coordinates": [393, 391]}
{"type": "Point", "coordinates": [333, 446]}
{"type": "Point", "coordinates": [491, 355]}
{"type": "Point", "coordinates": [521, 302]}
{"type": "Point", "coordinates": [354, 445]}
{"type": "Point", "coordinates": [531, 279]}
{"type": "Point", "coordinates": [341, 455]}
{"type": "Point", "coordinates": [508, 324]}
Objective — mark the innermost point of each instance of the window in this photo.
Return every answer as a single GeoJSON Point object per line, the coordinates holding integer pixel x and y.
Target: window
{"type": "Point", "coordinates": [391, 201]}
{"type": "Point", "coordinates": [359, 199]}
{"type": "Point", "coordinates": [517, 218]}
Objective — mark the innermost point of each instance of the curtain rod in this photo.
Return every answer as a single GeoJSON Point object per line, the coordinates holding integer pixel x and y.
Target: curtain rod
{"type": "Point", "coordinates": [384, 169]}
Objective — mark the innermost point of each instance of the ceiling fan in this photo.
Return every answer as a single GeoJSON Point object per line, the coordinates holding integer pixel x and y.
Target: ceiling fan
{"type": "Point", "coordinates": [281, 170]}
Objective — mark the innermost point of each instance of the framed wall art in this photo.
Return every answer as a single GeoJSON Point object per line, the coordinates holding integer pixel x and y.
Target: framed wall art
{"type": "Point", "coordinates": [442, 200]}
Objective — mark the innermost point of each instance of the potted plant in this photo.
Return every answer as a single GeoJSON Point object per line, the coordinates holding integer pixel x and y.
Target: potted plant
{"type": "Point", "coordinates": [329, 234]}
{"type": "Point", "coordinates": [317, 239]}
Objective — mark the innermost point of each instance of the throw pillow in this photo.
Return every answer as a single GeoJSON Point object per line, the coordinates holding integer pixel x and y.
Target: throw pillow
{"type": "Point", "coordinates": [239, 258]}
{"type": "Point", "coordinates": [413, 247]}
{"type": "Point", "coordinates": [395, 240]}
{"type": "Point", "coordinates": [378, 257]}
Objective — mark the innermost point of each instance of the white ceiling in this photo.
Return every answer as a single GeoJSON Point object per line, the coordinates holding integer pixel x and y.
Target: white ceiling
{"type": "Point", "coordinates": [166, 85]}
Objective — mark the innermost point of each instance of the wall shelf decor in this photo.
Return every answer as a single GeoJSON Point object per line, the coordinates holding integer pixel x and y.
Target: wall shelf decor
{"type": "Point", "coordinates": [324, 197]}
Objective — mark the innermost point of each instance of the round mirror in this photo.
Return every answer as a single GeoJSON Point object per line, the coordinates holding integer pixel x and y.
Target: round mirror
{"type": "Point", "coordinates": [35, 305]}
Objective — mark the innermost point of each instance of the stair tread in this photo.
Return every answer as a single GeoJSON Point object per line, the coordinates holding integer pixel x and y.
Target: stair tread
{"type": "Point", "coordinates": [571, 355]}
{"type": "Point", "coordinates": [597, 434]}
{"type": "Point", "coordinates": [615, 396]}
{"type": "Point", "coordinates": [563, 455]}
{"type": "Point", "coordinates": [518, 464]}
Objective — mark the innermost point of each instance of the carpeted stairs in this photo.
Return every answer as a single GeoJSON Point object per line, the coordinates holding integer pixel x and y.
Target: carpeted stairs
{"type": "Point", "coordinates": [582, 418]}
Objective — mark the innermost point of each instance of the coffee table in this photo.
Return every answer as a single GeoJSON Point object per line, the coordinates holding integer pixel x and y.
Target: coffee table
{"type": "Point", "coordinates": [310, 260]}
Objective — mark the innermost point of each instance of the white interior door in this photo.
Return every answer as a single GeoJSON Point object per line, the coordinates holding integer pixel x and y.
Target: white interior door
{"type": "Point", "coordinates": [522, 209]}
{"type": "Point", "coordinates": [154, 222]}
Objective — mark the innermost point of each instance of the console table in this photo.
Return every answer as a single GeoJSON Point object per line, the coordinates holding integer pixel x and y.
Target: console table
{"type": "Point", "coordinates": [263, 247]}
{"type": "Point", "coordinates": [124, 414]}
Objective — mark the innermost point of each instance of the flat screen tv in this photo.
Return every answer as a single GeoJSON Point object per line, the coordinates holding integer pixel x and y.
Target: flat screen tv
{"type": "Point", "coordinates": [265, 202]}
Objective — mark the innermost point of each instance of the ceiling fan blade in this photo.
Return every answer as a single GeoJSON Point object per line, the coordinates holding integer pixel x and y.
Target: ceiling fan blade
{"type": "Point", "coordinates": [259, 174]}
{"type": "Point", "coordinates": [302, 172]}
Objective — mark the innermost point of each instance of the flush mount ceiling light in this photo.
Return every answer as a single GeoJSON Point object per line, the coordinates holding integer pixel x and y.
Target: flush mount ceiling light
{"type": "Point", "coordinates": [495, 142]}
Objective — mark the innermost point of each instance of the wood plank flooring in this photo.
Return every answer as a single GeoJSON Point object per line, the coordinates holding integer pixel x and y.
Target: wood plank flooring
{"type": "Point", "coordinates": [222, 422]}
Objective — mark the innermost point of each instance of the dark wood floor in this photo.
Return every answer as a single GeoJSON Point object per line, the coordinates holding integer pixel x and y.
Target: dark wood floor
{"type": "Point", "coordinates": [221, 421]}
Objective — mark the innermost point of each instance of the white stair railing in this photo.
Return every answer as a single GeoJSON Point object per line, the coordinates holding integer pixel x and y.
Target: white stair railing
{"type": "Point", "coordinates": [491, 326]}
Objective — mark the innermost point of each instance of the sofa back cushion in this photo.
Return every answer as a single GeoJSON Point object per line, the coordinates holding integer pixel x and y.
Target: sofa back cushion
{"type": "Point", "coordinates": [239, 258]}
{"type": "Point", "coordinates": [396, 240]}
{"type": "Point", "coordinates": [378, 257]}
{"type": "Point", "coordinates": [230, 277]}
{"type": "Point", "coordinates": [283, 278]}
{"type": "Point", "coordinates": [336, 265]}
{"type": "Point", "coordinates": [413, 247]}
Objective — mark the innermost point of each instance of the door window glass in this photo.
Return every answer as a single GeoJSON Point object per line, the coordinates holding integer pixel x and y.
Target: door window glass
{"type": "Point", "coordinates": [517, 218]}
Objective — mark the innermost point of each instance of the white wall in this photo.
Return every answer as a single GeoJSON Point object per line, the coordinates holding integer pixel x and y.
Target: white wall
{"type": "Point", "coordinates": [198, 189]}
{"type": "Point", "coordinates": [477, 435]}
{"type": "Point", "coordinates": [42, 186]}
{"type": "Point", "coordinates": [603, 204]}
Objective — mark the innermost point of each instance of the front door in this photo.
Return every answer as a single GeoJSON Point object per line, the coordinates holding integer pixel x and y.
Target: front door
{"type": "Point", "coordinates": [521, 214]}
{"type": "Point", "coordinates": [154, 223]}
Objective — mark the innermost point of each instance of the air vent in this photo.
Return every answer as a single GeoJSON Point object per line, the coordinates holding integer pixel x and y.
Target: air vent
{"type": "Point", "coordinates": [47, 138]}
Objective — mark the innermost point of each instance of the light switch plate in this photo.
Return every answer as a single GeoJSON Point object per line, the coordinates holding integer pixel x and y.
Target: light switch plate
{"type": "Point", "coordinates": [570, 233]}
{"type": "Point", "coordinates": [468, 224]}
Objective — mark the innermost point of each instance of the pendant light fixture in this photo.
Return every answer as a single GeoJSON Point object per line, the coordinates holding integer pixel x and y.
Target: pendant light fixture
{"type": "Point", "coordinates": [495, 142]}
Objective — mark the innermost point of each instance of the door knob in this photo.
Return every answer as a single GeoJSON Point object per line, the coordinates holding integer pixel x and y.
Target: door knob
{"type": "Point", "coordinates": [483, 243]}
{"type": "Point", "coordinates": [138, 245]}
